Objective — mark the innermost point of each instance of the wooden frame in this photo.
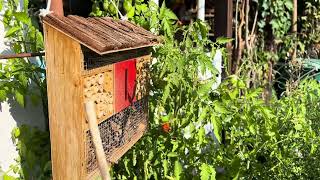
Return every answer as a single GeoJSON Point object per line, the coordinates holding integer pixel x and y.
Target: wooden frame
{"type": "Point", "coordinates": [66, 78]}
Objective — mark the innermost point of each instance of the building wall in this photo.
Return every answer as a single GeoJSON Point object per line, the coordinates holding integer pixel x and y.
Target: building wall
{"type": "Point", "coordinates": [12, 115]}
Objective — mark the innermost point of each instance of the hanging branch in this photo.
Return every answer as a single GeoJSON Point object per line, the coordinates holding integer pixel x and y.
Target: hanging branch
{"type": "Point", "coordinates": [21, 55]}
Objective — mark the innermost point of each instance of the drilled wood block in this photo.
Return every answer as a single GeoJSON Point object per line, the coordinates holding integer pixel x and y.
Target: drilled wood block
{"type": "Point", "coordinates": [142, 80]}
{"type": "Point", "coordinates": [99, 88]}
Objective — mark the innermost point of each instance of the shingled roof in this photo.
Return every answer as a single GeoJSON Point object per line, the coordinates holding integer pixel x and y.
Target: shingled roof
{"type": "Point", "coordinates": [102, 34]}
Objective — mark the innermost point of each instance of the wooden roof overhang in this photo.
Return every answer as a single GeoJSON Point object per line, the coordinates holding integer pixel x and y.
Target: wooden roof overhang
{"type": "Point", "coordinates": [103, 35]}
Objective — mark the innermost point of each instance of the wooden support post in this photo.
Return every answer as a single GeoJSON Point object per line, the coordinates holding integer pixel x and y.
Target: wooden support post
{"type": "Point", "coordinates": [223, 23]}
{"type": "Point", "coordinates": [96, 139]}
{"type": "Point", "coordinates": [57, 7]}
{"type": "Point", "coordinates": [295, 27]}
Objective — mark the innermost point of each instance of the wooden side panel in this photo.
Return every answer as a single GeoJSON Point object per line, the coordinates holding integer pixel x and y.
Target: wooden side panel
{"type": "Point", "coordinates": [65, 102]}
{"type": "Point", "coordinates": [124, 84]}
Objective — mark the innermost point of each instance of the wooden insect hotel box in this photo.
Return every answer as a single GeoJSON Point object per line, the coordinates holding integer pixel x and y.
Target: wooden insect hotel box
{"type": "Point", "coordinates": [105, 61]}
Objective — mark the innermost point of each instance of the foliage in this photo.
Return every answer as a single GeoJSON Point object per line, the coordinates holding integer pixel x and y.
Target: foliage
{"type": "Point", "coordinates": [310, 21]}
{"type": "Point", "coordinates": [196, 132]}
{"type": "Point", "coordinates": [253, 140]}
{"type": "Point", "coordinates": [180, 107]}
{"type": "Point", "coordinates": [23, 77]}
{"type": "Point", "coordinates": [277, 14]}
{"type": "Point", "coordinates": [33, 161]}
{"type": "Point", "coordinates": [148, 15]}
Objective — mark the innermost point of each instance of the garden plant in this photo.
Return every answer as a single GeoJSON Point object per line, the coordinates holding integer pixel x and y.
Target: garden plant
{"type": "Point", "coordinates": [260, 123]}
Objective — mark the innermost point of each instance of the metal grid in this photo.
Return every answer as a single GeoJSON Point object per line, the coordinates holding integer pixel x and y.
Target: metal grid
{"type": "Point", "coordinates": [116, 132]}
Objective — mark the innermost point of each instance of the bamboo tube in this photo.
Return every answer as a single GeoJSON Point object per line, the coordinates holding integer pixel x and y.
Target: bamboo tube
{"type": "Point", "coordinates": [96, 139]}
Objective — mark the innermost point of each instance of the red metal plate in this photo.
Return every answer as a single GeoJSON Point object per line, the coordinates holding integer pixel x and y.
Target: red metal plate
{"type": "Point", "coordinates": [125, 84]}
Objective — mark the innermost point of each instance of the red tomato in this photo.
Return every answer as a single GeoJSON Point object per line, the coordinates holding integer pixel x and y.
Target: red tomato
{"type": "Point", "coordinates": [166, 127]}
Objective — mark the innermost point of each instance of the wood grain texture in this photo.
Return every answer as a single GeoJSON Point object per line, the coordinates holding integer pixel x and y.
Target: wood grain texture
{"type": "Point", "coordinates": [102, 35]}
{"type": "Point", "coordinates": [65, 103]}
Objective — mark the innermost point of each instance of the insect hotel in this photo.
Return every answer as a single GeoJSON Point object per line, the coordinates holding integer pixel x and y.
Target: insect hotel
{"type": "Point", "coordinates": [101, 60]}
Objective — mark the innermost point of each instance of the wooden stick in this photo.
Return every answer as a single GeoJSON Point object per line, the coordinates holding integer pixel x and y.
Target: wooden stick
{"type": "Point", "coordinates": [21, 55]}
{"type": "Point", "coordinates": [295, 27]}
{"type": "Point", "coordinates": [96, 139]}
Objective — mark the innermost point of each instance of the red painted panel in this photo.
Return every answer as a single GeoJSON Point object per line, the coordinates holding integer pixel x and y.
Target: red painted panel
{"type": "Point", "coordinates": [125, 84]}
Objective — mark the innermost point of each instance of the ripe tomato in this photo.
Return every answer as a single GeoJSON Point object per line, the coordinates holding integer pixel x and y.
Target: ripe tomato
{"type": "Point", "coordinates": [166, 127]}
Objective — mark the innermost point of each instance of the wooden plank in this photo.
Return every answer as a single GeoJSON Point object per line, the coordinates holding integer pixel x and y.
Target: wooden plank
{"type": "Point", "coordinates": [65, 103]}
{"type": "Point", "coordinates": [223, 24]}
{"type": "Point", "coordinates": [223, 18]}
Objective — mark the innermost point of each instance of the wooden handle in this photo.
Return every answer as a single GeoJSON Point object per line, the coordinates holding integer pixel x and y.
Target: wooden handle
{"type": "Point", "coordinates": [97, 142]}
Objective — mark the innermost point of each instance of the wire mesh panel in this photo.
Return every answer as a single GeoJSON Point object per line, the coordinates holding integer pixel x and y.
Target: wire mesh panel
{"type": "Point", "coordinates": [118, 133]}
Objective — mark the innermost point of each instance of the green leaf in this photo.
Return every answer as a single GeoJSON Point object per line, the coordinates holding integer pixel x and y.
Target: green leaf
{"type": "Point", "coordinates": [216, 127]}
{"type": "Point", "coordinates": [19, 97]}
{"type": "Point", "coordinates": [134, 158]}
{"type": "Point", "coordinates": [11, 31]}
{"type": "Point", "coordinates": [223, 40]}
{"type": "Point", "coordinates": [207, 172]}
{"type": "Point", "coordinates": [162, 10]}
{"type": "Point", "coordinates": [170, 14]}
{"type": "Point", "coordinates": [3, 95]}
{"type": "Point", "coordinates": [206, 88]}
{"type": "Point", "coordinates": [166, 93]}
{"type": "Point", "coordinates": [172, 154]}
{"type": "Point", "coordinates": [1, 4]}
{"type": "Point", "coordinates": [165, 118]}
{"type": "Point", "coordinates": [203, 28]}
{"type": "Point", "coordinates": [16, 132]}
{"type": "Point", "coordinates": [22, 17]}
{"type": "Point", "coordinates": [127, 5]}
{"type": "Point", "coordinates": [23, 79]}
{"type": "Point", "coordinates": [7, 177]}
{"type": "Point", "coordinates": [105, 5]}
{"type": "Point", "coordinates": [165, 166]}
{"type": "Point", "coordinates": [201, 135]}
{"type": "Point", "coordinates": [289, 4]}
{"type": "Point", "coordinates": [130, 13]}
{"type": "Point", "coordinates": [177, 169]}
{"type": "Point", "coordinates": [47, 166]}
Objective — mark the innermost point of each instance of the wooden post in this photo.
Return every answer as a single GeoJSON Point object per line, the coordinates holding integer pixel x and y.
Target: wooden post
{"type": "Point", "coordinates": [66, 112]}
{"type": "Point", "coordinates": [223, 23]}
{"type": "Point", "coordinates": [57, 7]}
{"type": "Point", "coordinates": [96, 139]}
{"type": "Point", "coordinates": [295, 27]}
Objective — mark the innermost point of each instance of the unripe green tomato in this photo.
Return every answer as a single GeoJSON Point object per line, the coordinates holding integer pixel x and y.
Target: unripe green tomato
{"type": "Point", "coordinates": [106, 5]}
{"type": "Point", "coordinates": [127, 5]}
{"type": "Point", "coordinates": [112, 9]}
